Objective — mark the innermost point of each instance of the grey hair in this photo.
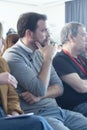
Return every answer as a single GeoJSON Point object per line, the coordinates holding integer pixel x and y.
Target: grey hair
{"type": "Point", "coordinates": [70, 28]}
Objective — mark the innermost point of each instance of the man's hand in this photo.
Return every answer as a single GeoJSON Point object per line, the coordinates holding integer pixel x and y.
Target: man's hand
{"type": "Point", "coordinates": [7, 78]}
{"type": "Point", "coordinates": [48, 51]}
{"type": "Point", "coordinates": [29, 98]}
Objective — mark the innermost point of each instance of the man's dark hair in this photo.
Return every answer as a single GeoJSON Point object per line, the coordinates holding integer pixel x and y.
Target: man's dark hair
{"type": "Point", "coordinates": [28, 21]}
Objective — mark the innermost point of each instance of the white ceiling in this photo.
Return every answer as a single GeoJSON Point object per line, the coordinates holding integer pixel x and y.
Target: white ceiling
{"type": "Point", "coordinates": [35, 2]}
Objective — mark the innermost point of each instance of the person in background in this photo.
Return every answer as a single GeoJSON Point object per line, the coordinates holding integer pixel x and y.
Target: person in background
{"type": "Point", "coordinates": [30, 61]}
{"type": "Point", "coordinates": [8, 97]}
{"type": "Point", "coordinates": [9, 100]}
{"type": "Point", "coordinates": [72, 68]}
{"type": "Point", "coordinates": [9, 104]}
{"type": "Point", "coordinates": [11, 38]}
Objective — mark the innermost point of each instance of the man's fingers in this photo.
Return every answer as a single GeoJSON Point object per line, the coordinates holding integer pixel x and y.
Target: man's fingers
{"type": "Point", "coordinates": [38, 45]}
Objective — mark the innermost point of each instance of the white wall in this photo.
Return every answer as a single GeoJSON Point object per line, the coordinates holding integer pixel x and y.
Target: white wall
{"type": "Point", "coordinates": [56, 19]}
{"type": "Point", "coordinates": [9, 14]}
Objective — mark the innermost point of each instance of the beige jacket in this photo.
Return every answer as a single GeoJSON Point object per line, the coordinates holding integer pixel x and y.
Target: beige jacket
{"type": "Point", "coordinates": [8, 96]}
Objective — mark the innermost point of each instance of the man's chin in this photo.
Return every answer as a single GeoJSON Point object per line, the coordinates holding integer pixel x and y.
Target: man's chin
{"type": "Point", "coordinates": [43, 45]}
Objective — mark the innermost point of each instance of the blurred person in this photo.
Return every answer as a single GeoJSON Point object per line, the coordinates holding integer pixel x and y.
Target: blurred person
{"type": "Point", "coordinates": [8, 97]}
{"type": "Point", "coordinates": [10, 40]}
{"type": "Point", "coordinates": [9, 100]}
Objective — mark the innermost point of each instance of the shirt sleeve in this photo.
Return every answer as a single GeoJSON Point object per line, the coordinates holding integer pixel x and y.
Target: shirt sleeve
{"type": "Point", "coordinates": [24, 73]}
{"type": "Point", "coordinates": [63, 66]}
{"type": "Point", "coordinates": [13, 101]}
{"type": "Point", "coordinates": [54, 79]}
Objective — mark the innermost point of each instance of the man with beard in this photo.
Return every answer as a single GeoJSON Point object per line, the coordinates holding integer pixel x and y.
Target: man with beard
{"type": "Point", "coordinates": [9, 103]}
{"type": "Point", "coordinates": [30, 60]}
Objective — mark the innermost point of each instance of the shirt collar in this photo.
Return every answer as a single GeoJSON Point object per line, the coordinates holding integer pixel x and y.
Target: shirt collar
{"type": "Point", "coordinates": [24, 47]}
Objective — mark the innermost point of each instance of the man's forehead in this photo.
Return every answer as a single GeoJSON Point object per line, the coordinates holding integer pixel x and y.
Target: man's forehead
{"type": "Point", "coordinates": [41, 23]}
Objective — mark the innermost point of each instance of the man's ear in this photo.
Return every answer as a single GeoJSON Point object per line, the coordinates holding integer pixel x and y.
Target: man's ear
{"type": "Point", "coordinates": [28, 33]}
{"type": "Point", "coordinates": [71, 38]}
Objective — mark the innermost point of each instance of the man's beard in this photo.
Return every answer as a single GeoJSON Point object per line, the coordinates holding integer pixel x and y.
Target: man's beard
{"type": "Point", "coordinates": [44, 43]}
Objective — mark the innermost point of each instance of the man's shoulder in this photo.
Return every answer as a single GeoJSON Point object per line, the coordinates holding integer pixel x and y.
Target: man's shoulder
{"type": "Point", "coordinates": [61, 57]}
{"type": "Point", "coordinates": [13, 53]}
{"type": "Point", "coordinates": [62, 63]}
{"type": "Point", "coordinates": [15, 49]}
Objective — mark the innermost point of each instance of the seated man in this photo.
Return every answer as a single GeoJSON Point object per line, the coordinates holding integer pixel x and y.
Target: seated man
{"type": "Point", "coordinates": [36, 75]}
{"type": "Point", "coordinates": [9, 104]}
{"type": "Point", "coordinates": [72, 68]}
